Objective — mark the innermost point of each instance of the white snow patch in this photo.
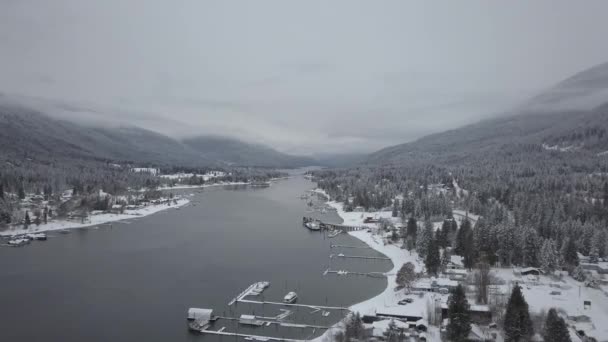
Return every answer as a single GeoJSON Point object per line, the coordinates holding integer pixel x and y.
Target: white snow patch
{"type": "Point", "coordinates": [96, 219]}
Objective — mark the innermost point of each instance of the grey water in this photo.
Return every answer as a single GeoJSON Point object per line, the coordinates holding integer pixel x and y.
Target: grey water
{"type": "Point", "coordinates": [135, 280]}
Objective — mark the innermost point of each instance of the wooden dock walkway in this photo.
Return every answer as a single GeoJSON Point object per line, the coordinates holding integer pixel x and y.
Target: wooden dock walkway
{"type": "Point", "coordinates": [335, 226]}
{"type": "Point", "coordinates": [347, 246]}
{"type": "Point", "coordinates": [293, 304]}
{"type": "Point", "coordinates": [358, 257]}
{"type": "Point", "coordinates": [368, 274]}
{"type": "Point", "coordinates": [254, 337]}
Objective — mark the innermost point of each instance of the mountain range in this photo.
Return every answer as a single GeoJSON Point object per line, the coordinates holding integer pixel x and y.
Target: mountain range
{"type": "Point", "coordinates": [571, 117]}
{"type": "Point", "coordinates": [29, 133]}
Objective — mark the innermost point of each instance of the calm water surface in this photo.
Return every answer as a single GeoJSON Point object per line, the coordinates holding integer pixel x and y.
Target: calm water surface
{"type": "Point", "coordinates": [135, 280]}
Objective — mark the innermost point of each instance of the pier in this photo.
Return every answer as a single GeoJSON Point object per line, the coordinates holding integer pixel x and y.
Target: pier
{"type": "Point", "coordinates": [358, 257]}
{"type": "Point", "coordinates": [347, 246]}
{"type": "Point", "coordinates": [293, 304]}
{"type": "Point", "coordinates": [366, 274]}
{"type": "Point", "coordinates": [250, 337]}
{"type": "Point", "coordinates": [334, 226]}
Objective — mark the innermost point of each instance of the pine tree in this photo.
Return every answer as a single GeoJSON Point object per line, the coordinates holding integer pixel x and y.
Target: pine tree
{"type": "Point", "coordinates": [459, 325]}
{"type": "Point", "coordinates": [445, 260]}
{"type": "Point", "coordinates": [425, 236]}
{"type": "Point", "coordinates": [1, 191]}
{"type": "Point", "coordinates": [354, 328]}
{"type": "Point", "coordinates": [27, 222]}
{"type": "Point", "coordinates": [517, 324]}
{"type": "Point", "coordinates": [530, 243]}
{"type": "Point", "coordinates": [549, 259]}
{"type": "Point", "coordinates": [569, 253]}
{"type": "Point", "coordinates": [406, 276]}
{"type": "Point", "coordinates": [462, 237]}
{"type": "Point", "coordinates": [555, 329]}
{"type": "Point", "coordinates": [392, 333]}
{"type": "Point", "coordinates": [395, 212]}
{"type": "Point", "coordinates": [433, 259]}
{"type": "Point", "coordinates": [412, 228]}
{"type": "Point", "coordinates": [21, 191]}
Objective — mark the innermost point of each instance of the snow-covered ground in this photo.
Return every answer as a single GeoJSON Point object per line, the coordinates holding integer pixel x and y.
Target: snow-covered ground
{"type": "Point", "coordinates": [96, 219]}
{"type": "Point", "coordinates": [187, 186]}
{"type": "Point", "coordinates": [566, 295]}
{"type": "Point", "coordinates": [385, 302]}
{"type": "Point", "coordinates": [207, 176]}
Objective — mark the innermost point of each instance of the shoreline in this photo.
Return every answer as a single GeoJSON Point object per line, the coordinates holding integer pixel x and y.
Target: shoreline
{"type": "Point", "coordinates": [95, 220]}
{"type": "Point", "coordinates": [397, 256]}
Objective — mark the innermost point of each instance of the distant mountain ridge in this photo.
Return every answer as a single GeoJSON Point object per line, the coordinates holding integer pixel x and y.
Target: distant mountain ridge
{"type": "Point", "coordinates": [28, 133]}
{"type": "Point", "coordinates": [235, 152]}
{"type": "Point", "coordinates": [572, 116]}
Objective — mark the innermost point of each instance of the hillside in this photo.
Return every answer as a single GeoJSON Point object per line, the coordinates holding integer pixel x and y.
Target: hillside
{"type": "Point", "coordinates": [556, 120]}
{"type": "Point", "coordinates": [28, 133]}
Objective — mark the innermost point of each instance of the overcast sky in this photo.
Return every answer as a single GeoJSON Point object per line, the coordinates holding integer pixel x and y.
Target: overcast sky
{"type": "Point", "coordinates": [301, 76]}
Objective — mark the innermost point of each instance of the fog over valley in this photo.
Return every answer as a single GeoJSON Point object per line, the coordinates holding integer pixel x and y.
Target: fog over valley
{"type": "Point", "coordinates": [304, 171]}
{"type": "Point", "coordinates": [286, 74]}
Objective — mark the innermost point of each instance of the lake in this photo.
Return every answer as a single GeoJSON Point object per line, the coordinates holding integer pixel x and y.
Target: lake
{"type": "Point", "coordinates": [135, 280]}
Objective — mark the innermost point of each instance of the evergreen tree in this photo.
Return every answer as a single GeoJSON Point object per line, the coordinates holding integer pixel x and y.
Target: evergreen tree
{"type": "Point", "coordinates": [392, 333]}
{"type": "Point", "coordinates": [412, 228]}
{"type": "Point", "coordinates": [569, 253]}
{"type": "Point", "coordinates": [395, 212]}
{"type": "Point", "coordinates": [445, 259]}
{"type": "Point", "coordinates": [517, 324]}
{"type": "Point", "coordinates": [1, 191]}
{"type": "Point", "coordinates": [354, 328]}
{"type": "Point", "coordinates": [462, 237]}
{"type": "Point", "coordinates": [27, 222]}
{"type": "Point", "coordinates": [21, 191]}
{"type": "Point", "coordinates": [530, 243]}
{"type": "Point", "coordinates": [459, 324]}
{"type": "Point", "coordinates": [555, 329]}
{"type": "Point", "coordinates": [424, 238]}
{"type": "Point", "coordinates": [549, 259]}
{"type": "Point", "coordinates": [433, 259]}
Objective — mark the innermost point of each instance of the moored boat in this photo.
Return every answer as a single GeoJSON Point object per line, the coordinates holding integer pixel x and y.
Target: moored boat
{"type": "Point", "coordinates": [291, 297]}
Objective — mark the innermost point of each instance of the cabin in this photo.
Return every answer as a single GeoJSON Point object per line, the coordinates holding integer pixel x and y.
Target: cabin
{"type": "Point", "coordinates": [370, 219]}
{"type": "Point", "coordinates": [480, 314]}
{"type": "Point", "coordinates": [600, 268]}
{"type": "Point", "coordinates": [439, 285]}
{"type": "Point", "coordinates": [529, 271]}
{"type": "Point", "coordinates": [199, 319]}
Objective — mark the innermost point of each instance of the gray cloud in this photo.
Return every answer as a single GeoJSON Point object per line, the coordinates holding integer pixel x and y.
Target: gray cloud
{"type": "Point", "coordinates": [308, 76]}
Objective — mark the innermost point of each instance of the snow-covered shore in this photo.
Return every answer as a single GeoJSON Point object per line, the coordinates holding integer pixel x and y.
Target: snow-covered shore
{"type": "Point", "coordinates": [387, 300]}
{"type": "Point", "coordinates": [96, 219]}
{"type": "Point", "coordinates": [187, 186]}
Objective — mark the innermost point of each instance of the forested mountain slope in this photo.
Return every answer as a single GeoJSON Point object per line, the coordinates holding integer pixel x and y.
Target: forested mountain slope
{"type": "Point", "coordinates": [572, 116]}
{"type": "Point", "coordinates": [28, 134]}
{"type": "Point", "coordinates": [538, 177]}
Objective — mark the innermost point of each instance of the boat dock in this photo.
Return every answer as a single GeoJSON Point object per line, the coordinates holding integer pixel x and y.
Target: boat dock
{"type": "Point", "coordinates": [366, 274]}
{"type": "Point", "coordinates": [358, 257]}
{"type": "Point", "coordinates": [249, 337]}
{"type": "Point", "coordinates": [347, 246]}
{"type": "Point", "coordinates": [293, 304]}
{"type": "Point", "coordinates": [334, 226]}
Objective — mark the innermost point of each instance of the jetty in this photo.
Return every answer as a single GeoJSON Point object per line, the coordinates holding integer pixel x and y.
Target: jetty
{"type": "Point", "coordinates": [330, 226]}
{"type": "Point", "coordinates": [358, 257]}
{"type": "Point", "coordinates": [366, 274]}
{"type": "Point", "coordinates": [347, 246]}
